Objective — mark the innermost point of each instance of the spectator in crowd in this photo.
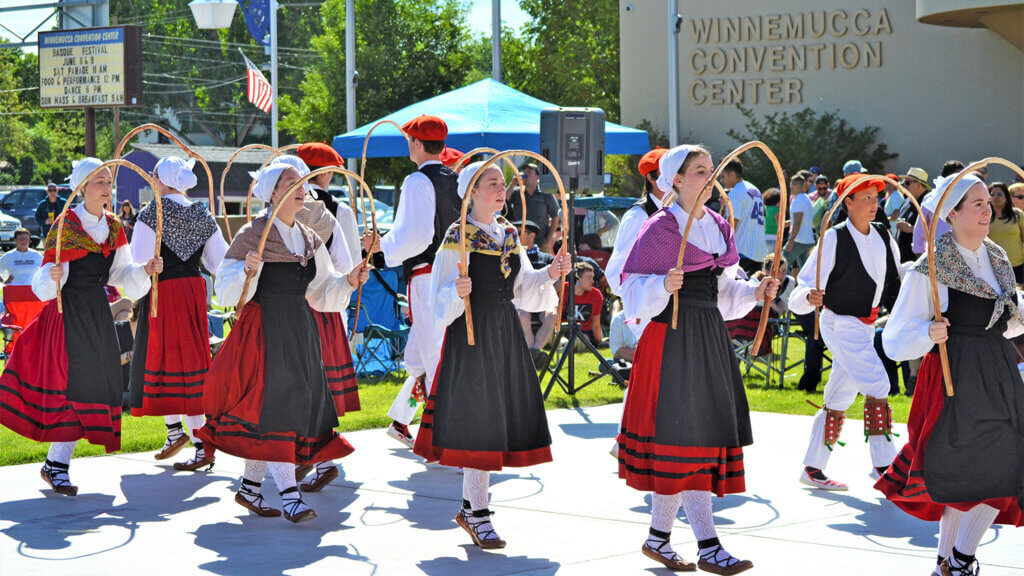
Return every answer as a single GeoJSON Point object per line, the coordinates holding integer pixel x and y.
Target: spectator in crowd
{"type": "Point", "coordinates": [18, 265]}
{"type": "Point", "coordinates": [48, 209]}
{"type": "Point", "coordinates": [590, 246]}
{"type": "Point", "coordinates": [928, 207]}
{"type": "Point", "coordinates": [819, 199]}
{"type": "Point", "coordinates": [748, 210]}
{"type": "Point", "coordinates": [745, 328]}
{"type": "Point", "coordinates": [540, 207]}
{"type": "Point", "coordinates": [982, 173]}
{"type": "Point", "coordinates": [623, 337]}
{"type": "Point", "coordinates": [916, 182]}
{"type": "Point", "coordinates": [588, 302]}
{"type": "Point", "coordinates": [127, 216]}
{"type": "Point", "coordinates": [538, 339]}
{"type": "Point", "coordinates": [1007, 228]}
{"type": "Point", "coordinates": [1016, 191]}
{"type": "Point", "coordinates": [771, 217]}
{"type": "Point", "coordinates": [801, 216]}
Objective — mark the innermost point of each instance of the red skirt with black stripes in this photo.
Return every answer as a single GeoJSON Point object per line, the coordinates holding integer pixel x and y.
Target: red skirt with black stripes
{"type": "Point", "coordinates": [904, 482]}
{"type": "Point", "coordinates": [341, 374]}
{"type": "Point", "coordinates": [34, 388]}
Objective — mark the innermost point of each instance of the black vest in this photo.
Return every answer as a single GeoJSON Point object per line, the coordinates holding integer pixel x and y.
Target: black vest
{"type": "Point", "coordinates": [850, 289]}
{"type": "Point", "coordinates": [647, 203]}
{"type": "Point", "coordinates": [447, 209]}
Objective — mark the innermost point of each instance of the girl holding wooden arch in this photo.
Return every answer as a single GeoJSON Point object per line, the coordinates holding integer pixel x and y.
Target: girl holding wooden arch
{"type": "Point", "coordinates": [63, 381]}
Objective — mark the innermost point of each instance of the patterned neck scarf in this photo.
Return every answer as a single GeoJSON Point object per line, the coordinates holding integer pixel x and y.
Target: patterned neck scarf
{"type": "Point", "coordinates": [316, 216]}
{"type": "Point", "coordinates": [248, 238]}
{"type": "Point", "coordinates": [76, 243]}
{"type": "Point", "coordinates": [482, 242]}
{"type": "Point", "coordinates": [186, 228]}
{"type": "Point", "coordinates": [952, 270]}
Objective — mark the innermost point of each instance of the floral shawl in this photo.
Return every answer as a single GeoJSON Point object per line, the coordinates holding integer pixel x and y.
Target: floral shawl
{"type": "Point", "coordinates": [482, 242]}
{"type": "Point", "coordinates": [76, 243]}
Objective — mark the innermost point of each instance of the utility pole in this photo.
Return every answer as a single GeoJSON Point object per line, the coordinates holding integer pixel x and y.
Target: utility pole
{"type": "Point", "coordinates": [496, 40]}
{"type": "Point", "coordinates": [673, 72]}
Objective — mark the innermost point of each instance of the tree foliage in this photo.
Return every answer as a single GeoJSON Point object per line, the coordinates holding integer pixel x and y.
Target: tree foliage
{"type": "Point", "coordinates": [808, 138]}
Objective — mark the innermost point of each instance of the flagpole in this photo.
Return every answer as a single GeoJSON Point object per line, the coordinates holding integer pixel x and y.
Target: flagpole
{"type": "Point", "coordinates": [273, 72]}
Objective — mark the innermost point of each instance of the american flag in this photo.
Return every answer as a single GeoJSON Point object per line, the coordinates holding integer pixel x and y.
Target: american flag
{"type": "Point", "coordinates": [259, 93]}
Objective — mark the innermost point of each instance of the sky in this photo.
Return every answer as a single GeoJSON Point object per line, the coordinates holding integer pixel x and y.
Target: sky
{"type": "Point", "coordinates": [21, 22]}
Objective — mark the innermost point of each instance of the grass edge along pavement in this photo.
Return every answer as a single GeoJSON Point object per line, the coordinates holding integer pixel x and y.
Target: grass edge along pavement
{"type": "Point", "coordinates": [148, 433]}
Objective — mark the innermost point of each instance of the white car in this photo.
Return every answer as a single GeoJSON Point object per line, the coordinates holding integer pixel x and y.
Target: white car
{"type": "Point", "coordinates": [8, 224]}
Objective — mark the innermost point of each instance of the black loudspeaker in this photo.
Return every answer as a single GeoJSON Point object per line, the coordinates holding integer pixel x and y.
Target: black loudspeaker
{"type": "Point", "coordinates": [573, 140]}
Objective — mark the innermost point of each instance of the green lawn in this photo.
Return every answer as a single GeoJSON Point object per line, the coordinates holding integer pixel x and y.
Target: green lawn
{"type": "Point", "coordinates": [145, 434]}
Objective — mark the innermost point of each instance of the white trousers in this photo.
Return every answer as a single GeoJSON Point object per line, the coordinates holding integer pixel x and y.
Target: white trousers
{"type": "Point", "coordinates": [856, 368]}
{"type": "Point", "coordinates": [422, 350]}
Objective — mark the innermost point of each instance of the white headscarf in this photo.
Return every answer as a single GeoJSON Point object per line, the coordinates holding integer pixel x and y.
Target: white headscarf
{"type": "Point", "coordinates": [266, 179]}
{"type": "Point", "coordinates": [670, 163]}
{"type": "Point", "coordinates": [467, 174]}
{"type": "Point", "coordinates": [82, 168]}
{"type": "Point", "coordinates": [298, 164]}
{"type": "Point", "coordinates": [176, 172]}
{"type": "Point", "coordinates": [955, 195]}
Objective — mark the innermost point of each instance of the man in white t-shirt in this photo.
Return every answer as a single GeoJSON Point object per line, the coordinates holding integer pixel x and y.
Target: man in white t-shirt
{"type": "Point", "coordinates": [748, 210]}
{"type": "Point", "coordinates": [18, 265]}
{"type": "Point", "coordinates": [801, 216]}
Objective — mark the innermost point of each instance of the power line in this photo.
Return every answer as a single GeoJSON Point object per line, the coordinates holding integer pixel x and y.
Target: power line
{"type": "Point", "coordinates": [223, 43]}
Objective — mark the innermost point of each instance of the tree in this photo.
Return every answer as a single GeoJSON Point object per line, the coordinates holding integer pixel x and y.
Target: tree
{"type": "Point", "coordinates": [409, 50]}
{"type": "Point", "coordinates": [807, 138]}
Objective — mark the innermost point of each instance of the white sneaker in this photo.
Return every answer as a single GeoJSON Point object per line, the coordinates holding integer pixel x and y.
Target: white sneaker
{"type": "Point", "coordinates": [874, 475]}
{"type": "Point", "coordinates": [614, 451]}
{"type": "Point", "coordinates": [404, 437]}
{"type": "Point", "coordinates": [826, 484]}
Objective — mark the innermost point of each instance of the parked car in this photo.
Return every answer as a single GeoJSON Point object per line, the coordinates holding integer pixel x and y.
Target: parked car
{"type": "Point", "coordinates": [8, 224]}
{"type": "Point", "coordinates": [21, 204]}
{"type": "Point", "coordinates": [385, 213]}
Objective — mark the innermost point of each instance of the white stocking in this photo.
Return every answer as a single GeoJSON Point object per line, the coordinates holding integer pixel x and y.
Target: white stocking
{"type": "Point", "coordinates": [474, 487]}
{"type": "Point", "coordinates": [973, 525]}
{"type": "Point", "coordinates": [194, 423]}
{"type": "Point", "coordinates": [664, 510]}
{"type": "Point", "coordinates": [256, 471]}
{"type": "Point", "coordinates": [697, 505]}
{"type": "Point", "coordinates": [283, 474]}
{"type": "Point", "coordinates": [61, 452]}
{"type": "Point", "coordinates": [949, 525]}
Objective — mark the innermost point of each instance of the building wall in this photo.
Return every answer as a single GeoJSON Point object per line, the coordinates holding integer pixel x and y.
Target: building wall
{"type": "Point", "coordinates": [936, 92]}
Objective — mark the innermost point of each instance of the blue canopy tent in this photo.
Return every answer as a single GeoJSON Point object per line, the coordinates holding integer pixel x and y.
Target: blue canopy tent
{"type": "Point", "coordinates": [486, 113]}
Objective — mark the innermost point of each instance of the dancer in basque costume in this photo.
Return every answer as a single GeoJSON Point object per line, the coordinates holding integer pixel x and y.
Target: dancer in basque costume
{"type": "Point", "coordinates": [63, 381]}
{"type": "Point", "coordinates": [486, 411]}
{"type": "Point", "coordinates": [266, 396]}
{"type": "Point", "coordinates": [963, 465]}
{"type": "Point", "coordinates": [172, 351]}
{"type": "Point", "coordinates": [686, 418]}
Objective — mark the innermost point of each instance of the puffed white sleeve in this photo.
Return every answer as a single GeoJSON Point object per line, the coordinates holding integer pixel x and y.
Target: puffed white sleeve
{"type": "Point", "coordinates": [808, 274]}
{"type": "Point", "coordinates": [414, 223]}
{"type": "Point", "coordinates": [340, 254]}
{"type": "Point", "coordinates": [905, 336]}
{"type": "Point", "coordinates": [735, 293]}
{"type": "Point", "coordinates": [213, 251]}
{"type": "Point", "coordinates": [629, 228]}
{"type": "Point", "coordinates": [228, 281]}
{"type": "Point", "coordinates": [446, 302]}
{"type": "Point", "coordinates": [350, 229]}
{"type": "Point", "coordinates": [43, 286]}
{"type": "Point", "coordinates": [129, 275]}
{"type": "Point", "coordinates": [143, 242]}
{"type": "Point", "coordinates": [534, 290]}
{"type": "Point", "coordinates": [644, 295]}
{"type": "Point", "coordinates": [329, 291]}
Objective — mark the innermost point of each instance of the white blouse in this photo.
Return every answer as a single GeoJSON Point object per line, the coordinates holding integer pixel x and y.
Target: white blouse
{"type": "Point", "coordinates": [125, 273]}
{"type": "Point", "coordinates": [629, 228]}
{"type": "Point", "coordinates": [870, 246]}
{"type": "Point", "coordinates": [534, 290]}
{"type": "Point", "coordinates": [414, 219]}
{"type": "Point", "coordinates": [144, 240]}
{"type": "Point", "coordinates": [644, 295]}
{"type": "Point", "coordinates": [905, 336]}
{"type": "Point", "coordinates": [328, 292]}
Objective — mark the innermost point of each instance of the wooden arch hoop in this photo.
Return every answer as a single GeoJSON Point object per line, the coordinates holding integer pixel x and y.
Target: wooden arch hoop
{"type": "Point", "coordinates": [159, 222]}
{"type": "Point", "coordinates": [224, 175]}
{"type": "Point", "coordinates": [462, 224]}
{"type": "Point", "coordinates": [930, 230]}
{"type": "Point", "coordinates": [727, 203]}
{"type": "Point", "coordinates": [362, 166]}
{"type": "Point", "coordinates": [270, 221]}
{"type": "Point", "coordinates": [827, 219]}
{"type": "Point", "coordinates": [515, 169]}
{"type": "Point", "coordinates": [177, 141]}
{"type": "Point", "coordinates": [699, 201]}
{"type": "Point", "coordinates": [274, 154]}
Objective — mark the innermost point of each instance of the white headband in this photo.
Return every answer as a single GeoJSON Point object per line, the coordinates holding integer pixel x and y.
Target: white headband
{"type": "Point", "coordinates": [176, 172]}
{"type": "Point", "coordinates": [82, 168]}
{"type": "Point", "coordinates": [266, 179]}
{"type": "Point", "coordinates": [670, 163]}
{"type": "Point", "coordinates": [466, 174]}
{"type": "Point", "coordinates": [955, 195]}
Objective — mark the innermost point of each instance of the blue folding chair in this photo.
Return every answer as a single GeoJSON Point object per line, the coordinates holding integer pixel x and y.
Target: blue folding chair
{"type": "Point", "coordinates": [381, 333]}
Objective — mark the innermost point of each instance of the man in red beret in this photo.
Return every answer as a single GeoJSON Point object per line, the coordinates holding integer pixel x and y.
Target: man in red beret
{"type": "Point", "coordinates": [319, 155]}
{"type": "Point", "coordinates": [860, 270]}
{"type": "Point", "coordinates": [450, 156]}
{"type": "Point", "coordinates": [429, 203]}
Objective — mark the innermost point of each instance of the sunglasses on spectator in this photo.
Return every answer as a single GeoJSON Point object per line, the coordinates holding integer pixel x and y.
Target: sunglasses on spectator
{"type": "Point", "coordinates": [1019, 196]}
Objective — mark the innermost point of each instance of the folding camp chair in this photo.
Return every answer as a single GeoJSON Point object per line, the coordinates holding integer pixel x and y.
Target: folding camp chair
{"type": "Point", "coordinates": [22, 306]}
{"type": "Point", "coordinates": [381, 333]}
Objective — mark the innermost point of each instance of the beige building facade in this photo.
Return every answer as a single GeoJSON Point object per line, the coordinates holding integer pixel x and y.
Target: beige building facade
{"type": "Point", "coordinates": [938, 81]}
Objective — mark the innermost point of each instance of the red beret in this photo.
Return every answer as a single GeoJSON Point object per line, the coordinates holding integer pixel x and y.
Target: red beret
{"type": "Point", "coordinates": [426, 128]}
{"type": "Point", "coordinates": [318, 155]}
{"type": "Point", "coordinates": [450, 156]}
{"type": "Point", "coordinates": [875, 184]}
{"type": "Point", "coordinates": [649, 161]}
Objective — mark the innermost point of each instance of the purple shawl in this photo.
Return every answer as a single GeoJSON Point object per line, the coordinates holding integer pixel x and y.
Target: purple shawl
{"type": "Point", "coordinates": [657, 247]}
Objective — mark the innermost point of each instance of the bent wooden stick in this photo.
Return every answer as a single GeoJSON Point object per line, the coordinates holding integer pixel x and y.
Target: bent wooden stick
{"type": "Point", "coordinates": [224, 175]}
